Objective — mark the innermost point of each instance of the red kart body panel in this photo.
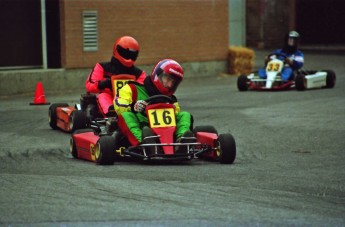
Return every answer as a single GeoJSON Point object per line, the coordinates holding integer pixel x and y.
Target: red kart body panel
{"type": "Point", "coordinates": [63, 117]}
{"type": "Point", "coordinates": [166, 136]}
{"type": "Point", "coordinates": [261, 87]}
{"type": "Point", "coordinates": [209, 139]}
{"type": "Point", "coordinates": [164, 127]}
{"type": "Point", "coordinates": [85, 144]}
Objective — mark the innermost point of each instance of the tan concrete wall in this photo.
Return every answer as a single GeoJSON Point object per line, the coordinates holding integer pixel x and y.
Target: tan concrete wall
{"type": "Point", "coordinates": [185, 30]}
{"type": "Point", "coordinates": [23, 82]}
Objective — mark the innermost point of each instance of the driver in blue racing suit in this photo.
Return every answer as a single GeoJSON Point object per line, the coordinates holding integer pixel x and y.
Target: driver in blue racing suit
{"type": "Point", "coordinates": [294, 58]}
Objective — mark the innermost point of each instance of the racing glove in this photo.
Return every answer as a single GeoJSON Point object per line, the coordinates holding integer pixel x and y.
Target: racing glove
{"type": "Point", "coordinates": [140, 106]}
{"type": "Point", "coordinates": [103, 84]}
{"type": "Point", "coordinates": [289, 61]}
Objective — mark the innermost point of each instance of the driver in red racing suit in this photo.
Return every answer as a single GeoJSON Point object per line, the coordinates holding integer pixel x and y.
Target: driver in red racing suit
{"type": "Point", "coordinates": [125, 53]}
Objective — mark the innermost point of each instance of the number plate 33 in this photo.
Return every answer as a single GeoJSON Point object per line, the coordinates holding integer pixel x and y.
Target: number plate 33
{"type": "Point", "coordinates": [274, 66]}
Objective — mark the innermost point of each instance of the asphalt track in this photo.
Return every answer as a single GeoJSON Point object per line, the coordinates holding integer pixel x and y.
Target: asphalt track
{"type": "Point", "coordinates": [289, 169]}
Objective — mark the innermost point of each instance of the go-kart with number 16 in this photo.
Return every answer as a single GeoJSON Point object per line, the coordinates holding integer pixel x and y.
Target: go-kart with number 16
{"type": "Point", "coordinates": [160, 145]}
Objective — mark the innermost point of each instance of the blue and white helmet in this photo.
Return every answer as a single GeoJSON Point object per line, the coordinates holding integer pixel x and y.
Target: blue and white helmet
{"type": "Point", "coordinates": [169, 68]}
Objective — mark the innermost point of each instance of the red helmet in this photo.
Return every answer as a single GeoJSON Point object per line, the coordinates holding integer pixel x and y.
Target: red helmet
{"type": "Point", "coordinates": [166, 76]}
{"type": "Point", "coordinates": [126, 50]}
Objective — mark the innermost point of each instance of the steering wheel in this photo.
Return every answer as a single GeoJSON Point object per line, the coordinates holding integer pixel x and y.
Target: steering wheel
{"type": "Point", "coordinates": [278, 55]}
{"type": "Point", "coordinates": [159, 99]}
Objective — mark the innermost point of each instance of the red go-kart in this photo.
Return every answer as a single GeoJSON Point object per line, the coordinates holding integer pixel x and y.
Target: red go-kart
{"type": "Point", "coordinates": [80, 116]}
{"type": "Point", "coordinates": [105, 149]}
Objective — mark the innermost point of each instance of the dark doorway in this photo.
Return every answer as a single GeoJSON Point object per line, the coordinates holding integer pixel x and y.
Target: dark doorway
{"type": "Point", "coordinates": [21, 36]}
{"type": "Point", "coordinates": [53, 33]}
{"type": "Point", "coordinates": [320, 22]}
{"type": "Point", "coordinates": [20, 40]}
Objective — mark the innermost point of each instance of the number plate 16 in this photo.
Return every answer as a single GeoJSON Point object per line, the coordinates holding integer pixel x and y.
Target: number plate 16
{"type": "Point", "coordinates": [162, 117]}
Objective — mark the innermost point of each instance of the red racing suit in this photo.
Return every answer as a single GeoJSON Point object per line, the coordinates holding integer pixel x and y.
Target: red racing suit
{"type": "Point", "coordinates": [103, 71]}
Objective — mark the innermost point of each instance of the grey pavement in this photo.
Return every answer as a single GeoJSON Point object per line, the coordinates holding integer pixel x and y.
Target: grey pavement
{"type": "Point", "coordinates": [289, 169]}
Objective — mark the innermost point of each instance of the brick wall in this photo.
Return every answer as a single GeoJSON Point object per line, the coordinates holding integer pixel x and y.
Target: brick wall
{"type": "Point", "coordinates": [187, 31]}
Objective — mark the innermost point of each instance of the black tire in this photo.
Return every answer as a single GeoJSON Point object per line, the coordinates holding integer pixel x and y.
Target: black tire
{"type": "Point", "coordinates": [300, 82]}
{"type": "Point", "coordinates": [330, 79]}
{"type": "Point", "coordinates": [205, 128]}
{"type": "Point", "coordinates": [87, 99]}
{"type": "Point", "coordinates": [226, 149]}
{"type": "Point", "coordinates": [73, 148]}
{"type": "Point", "coordinates": [105, 150]}
{"type": "Point", "coordinates": [52, 116]}
{"type": "Point", "coordinates": [77, 120]}
{"type": "Point", "coordinates": [242, 83]}
{"type": "Point", "coordinates": [91, 112]}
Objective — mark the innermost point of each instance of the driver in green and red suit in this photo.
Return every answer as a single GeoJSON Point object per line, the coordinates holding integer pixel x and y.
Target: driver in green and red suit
{"type": "Point", "coordinates": [129, 102]}
{"type": "Point", "coordinates": [125, 53]}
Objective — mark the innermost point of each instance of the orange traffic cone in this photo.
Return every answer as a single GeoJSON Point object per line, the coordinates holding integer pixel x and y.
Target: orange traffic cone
{"type": "Point", "coordinates": [39, 98]}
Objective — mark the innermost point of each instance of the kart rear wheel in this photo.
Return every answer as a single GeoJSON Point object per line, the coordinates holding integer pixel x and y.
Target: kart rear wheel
{"type": "Point", "coordinates": [205, 128]}
{"type": "Point", "coordinates": [226, 148]}
{"type": "Point", "coordinates": [105, 150]}
{"type": "Point", "coordinates": [52, 116]}
{"type": "Point", "coordinates": [330, 79]}
{"type": "Point", "coordinates": [77, 120]}
{"type": "Point", "coordinates": [300, 82]}
{"type": "Point", "coordinates": [242, 83]}
{"type": "Point", "coordinates": [92, 113]}
{"type": "Point", "coordinates": [72, 146]}
{"type": "Point", "coordinates": [87, 99]}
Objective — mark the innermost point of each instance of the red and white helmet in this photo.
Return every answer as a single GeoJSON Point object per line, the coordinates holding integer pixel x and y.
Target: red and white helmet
{"type": "Point", "coordinates": [126, 50]}
{"type": "Point", "coordinates": [167, 69]}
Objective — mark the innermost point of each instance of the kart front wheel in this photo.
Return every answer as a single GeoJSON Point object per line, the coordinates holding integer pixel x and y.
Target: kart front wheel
{"type": "Point", "coordinates": [52, 116]}
{"type": "Point", "coordinates": [77, 120]}
{"type": "Point", "coordinates": [242, 83]}
{"type": "Point", "coordinates": [91, 112]}
{"type": "Point", "coordinates": [330, 79]}
{"type": "Point", "coordinates": [73, 148]}
{"type": "Point", "coordinates": [226, 151]}
{"type": "Point", "coordinates": [300, 82]}
{"type": "Point", "coordinates": [105, 150]}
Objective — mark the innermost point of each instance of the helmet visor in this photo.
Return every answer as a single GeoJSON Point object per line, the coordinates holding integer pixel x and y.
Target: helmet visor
{"type": "Point", "coordinates": [292, 42]}
{"type": "Point", "coordinates": [169, 81]}
{"type": "Point", "coordinates": [127, 53]}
